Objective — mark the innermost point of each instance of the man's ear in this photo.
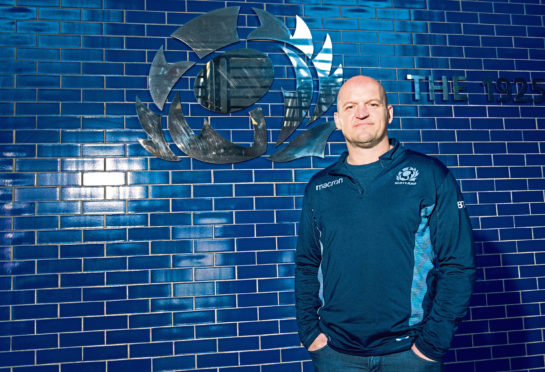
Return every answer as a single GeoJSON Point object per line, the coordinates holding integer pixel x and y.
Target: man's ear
{"type": "Point", "coordinates": [390, 113]}
{"type": "Point", "coordinates": [338, 122]}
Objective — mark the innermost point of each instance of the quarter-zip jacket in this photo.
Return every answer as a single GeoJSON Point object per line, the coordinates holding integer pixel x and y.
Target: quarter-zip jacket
{"type": "Point", "coordinates": [381, 268]}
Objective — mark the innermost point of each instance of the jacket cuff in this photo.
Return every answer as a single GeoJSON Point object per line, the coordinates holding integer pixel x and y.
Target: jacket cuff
{"type": "Point", "coordinates": [309, 339]}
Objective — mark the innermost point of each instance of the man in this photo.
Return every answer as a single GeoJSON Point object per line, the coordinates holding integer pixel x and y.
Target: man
{"type": "Point", "coordinates": [384, 260]}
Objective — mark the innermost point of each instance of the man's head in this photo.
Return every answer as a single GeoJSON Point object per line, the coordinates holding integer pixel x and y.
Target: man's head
{"type": "Point", "coordinates": [363, 113]}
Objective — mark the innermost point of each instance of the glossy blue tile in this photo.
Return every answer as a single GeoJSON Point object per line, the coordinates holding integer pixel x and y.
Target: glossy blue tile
{"type": "Point", "coordinates": [58, 266]}
{"type": "Point", "coordinates": [36, 194]}
{"type": "Point", "coordinates": [147, 291]}
{"type": "Point", "coordinates": [79, 309]}
{"type": "Point", "coordinates": [101, 353]}
{"type": "Point", "coordinates": [154, 233]}
{"type": "Point", "coordinates": [107, 235]}
{"type": "Point", "coordinates": [105, 322]}
{"type": "Point", "coordinates": [195, 347]}
{"type": "Point", "coordinates": [104, 264]}
{"type": "Point", "coordinates": [127, 336]}
{"type": "Point", "coordinates": [127, 249]}
{"type": "Point", "coordinates": [18, 268]}
{"type": "Point", "coordinates": [82, 250]}
{"type": "Point", "coordinates": [33, 311]}
{"type": "Point", "coordinates": [127, 307]}
{"type": "Point", "coordinates": [173, 246]}
{"type": "Point", "coordinates": [192, 204]}
{"type": "Point", "coordinates": [31, 223]}
{"type": "Point", "coordinates": [35, 252]}
{"type": "Point", "coordinates": [58, 295]}
{"type": "Point", "coordinates": [236, 315]}
{"type": "Point", "coordinates": [83, 279]}
{"type": "Point", "coordinates": [67, 236]}
{"type": "Point", "coordinates": [127, 220]}
{"type": "Point", "coordinates": [170, 219]}
{"type": "Point", "coordinates": [58, 325]}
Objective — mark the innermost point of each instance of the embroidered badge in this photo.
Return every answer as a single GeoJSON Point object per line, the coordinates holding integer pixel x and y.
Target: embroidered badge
{"type": "Point", "coordinates": [407, 176]}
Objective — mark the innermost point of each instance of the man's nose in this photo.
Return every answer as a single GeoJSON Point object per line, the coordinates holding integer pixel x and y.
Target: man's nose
{"type": "Point", "coordinates": [361, 111]}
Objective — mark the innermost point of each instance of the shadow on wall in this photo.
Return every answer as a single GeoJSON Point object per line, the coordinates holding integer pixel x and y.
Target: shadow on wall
{"type": "Point", "coordinates": [502, 328]}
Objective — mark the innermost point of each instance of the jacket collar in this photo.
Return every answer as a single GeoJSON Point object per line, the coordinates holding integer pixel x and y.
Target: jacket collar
{"type": "Point", "coordinates": [339, 167]}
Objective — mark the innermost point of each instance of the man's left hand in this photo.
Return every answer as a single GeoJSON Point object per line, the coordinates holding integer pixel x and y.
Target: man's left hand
{"type": "Point", "coordinates": [420, 355]}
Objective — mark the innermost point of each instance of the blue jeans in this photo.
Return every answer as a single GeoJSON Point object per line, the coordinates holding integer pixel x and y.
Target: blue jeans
{"type": "Point", "coordinates": [328, 360]}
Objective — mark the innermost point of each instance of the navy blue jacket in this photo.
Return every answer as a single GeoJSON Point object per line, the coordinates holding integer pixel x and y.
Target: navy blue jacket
{"type": "Point", "coordinates": [381, 268]}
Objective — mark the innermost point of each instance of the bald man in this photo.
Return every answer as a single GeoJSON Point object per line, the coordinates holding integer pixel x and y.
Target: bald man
{"type": "Point", "coordinates": [384, 260]}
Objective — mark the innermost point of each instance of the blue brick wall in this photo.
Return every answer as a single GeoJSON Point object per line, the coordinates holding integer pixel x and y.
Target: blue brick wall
{"type": "Point", "coordinates": [112, 259]}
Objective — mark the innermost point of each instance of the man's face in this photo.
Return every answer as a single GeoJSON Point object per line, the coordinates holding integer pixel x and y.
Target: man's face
{"type": "Point", "coordinates": [362, 113]}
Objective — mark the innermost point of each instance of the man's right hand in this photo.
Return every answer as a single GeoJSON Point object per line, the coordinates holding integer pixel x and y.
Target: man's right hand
{"type": "Point", "coordinates": [318, 343]}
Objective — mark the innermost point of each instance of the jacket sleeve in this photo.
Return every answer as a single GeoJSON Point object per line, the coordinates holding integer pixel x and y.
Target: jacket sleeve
{"type": "Point", "coordinates": [307, 286]}
{"type": "Point", "coordinates": [453, 243]}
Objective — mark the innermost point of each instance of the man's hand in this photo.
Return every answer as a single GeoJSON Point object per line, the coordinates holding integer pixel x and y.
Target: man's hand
{"type": "Point", "coordinates": [419, 354]}
{"type": "Point", "coordinates": [318, 343]}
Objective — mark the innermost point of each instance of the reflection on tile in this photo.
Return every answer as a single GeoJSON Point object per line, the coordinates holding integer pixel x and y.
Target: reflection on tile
{"type": "Point", "coordinates": [68, 222]}
{"type": "Point", "coordinates": [170, 334]}
{"type": "Point", "coordinates": [59, 179]}
{"type": "Point", "coordinates": [171, 275]}
{"type": "Point", "coordinates": [104, 207]}
{"type": "Point", "coordinates": [127, 249]}
{"type": "Point", "coordinates": [123, 164]}
{"type": "Point", "coordinates": [142, 206]}
{"type": "Point", "coordinates": [58, 207]}
{"type": "Point", "coordinates": [127, 220]}
{"type": "Point", "coordinates": [215, 302]}
{"type": "Point", "coordinates": [16, 179]}
{"type": "Point", "coordinates": [215, 273]}
{"type": "Point", "coordinates": [194, 317]}
{"type": "Point", "coordinates": [215, 245]}
{"type": "Point", "coordinates": [82, 193]}
{"type": "Point", "coordinates": [103, 150]}
{"type": "Point", "coordinates": [193, 289]}
{"type": "Point", "coordinates": [17, 209]}
{"type": "Point", "coordinates": [82, 164]}
{"type": "Point", "coordinates": [126, 192]}
{"type": "Point", "coordinates": [190, 260]}
{"type": "Point", "coordinates": [212, 218]}
{"type": "Point", "coordinates": [103, 178]}
{"type": "Point", "coordinates": [192, 232]}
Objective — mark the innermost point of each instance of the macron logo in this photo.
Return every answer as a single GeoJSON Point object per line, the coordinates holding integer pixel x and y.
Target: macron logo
{"type": "Point", "coordinates": [325, 185]}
